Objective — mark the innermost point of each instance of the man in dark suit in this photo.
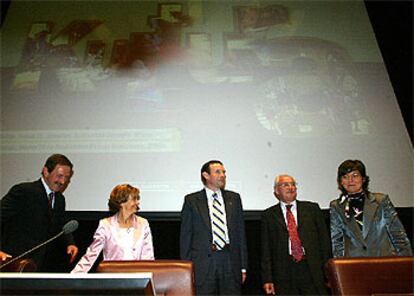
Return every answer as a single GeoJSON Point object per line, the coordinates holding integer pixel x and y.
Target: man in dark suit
{"type": "Point", "coordinates": [33, 212]}
{"type": "Point", "coordinates": [293, 255]}
{"type": "Point", "coordinates": [213, 236]}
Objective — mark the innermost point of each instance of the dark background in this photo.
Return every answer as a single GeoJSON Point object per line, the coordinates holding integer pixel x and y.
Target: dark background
{"type": "Point", "coordinates": [393, 26]}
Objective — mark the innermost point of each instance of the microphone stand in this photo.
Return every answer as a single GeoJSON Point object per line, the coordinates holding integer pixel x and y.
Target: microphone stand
{"type": "Point", "coordinates": [31, 250]}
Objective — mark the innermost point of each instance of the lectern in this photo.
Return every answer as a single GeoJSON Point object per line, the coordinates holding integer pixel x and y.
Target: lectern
{"type": "Point", "coordinates": [77, 284]}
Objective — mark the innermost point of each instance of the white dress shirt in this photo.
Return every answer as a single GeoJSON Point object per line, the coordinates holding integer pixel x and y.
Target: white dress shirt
{"type": "Point", "coordinates": [48, 191]}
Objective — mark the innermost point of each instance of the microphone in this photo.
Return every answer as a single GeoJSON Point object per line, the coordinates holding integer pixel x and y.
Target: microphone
{"type": "Point", "coordinates": [69, 227]}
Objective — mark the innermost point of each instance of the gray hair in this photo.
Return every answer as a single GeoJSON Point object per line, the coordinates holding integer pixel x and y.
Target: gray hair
{"type": "Point", "coordinates": [277, 178]}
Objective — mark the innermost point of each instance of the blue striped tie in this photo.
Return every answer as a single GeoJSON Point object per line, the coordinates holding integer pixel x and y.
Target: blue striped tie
{"type": "Point", "coordinates": [219, 224]}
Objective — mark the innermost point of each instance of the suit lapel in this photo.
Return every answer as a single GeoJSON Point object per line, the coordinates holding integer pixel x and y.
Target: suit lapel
{"type": "Point", "coordinates": [370, 208]}
{"type": "Point", "coordinates": [279, 216]}
{"type": "Point", "coordinates": [137, 230]}
{"type": "Point", "coordinates": [42, 192]}
{"type": "Point", "coordinates": [202, 206]}
{"type": "Point", "coordinates": [300, 214]}
{"type": "Point", "coordinates": [228, 205]}
{"type": "Point", "coordinates": [44, 198]}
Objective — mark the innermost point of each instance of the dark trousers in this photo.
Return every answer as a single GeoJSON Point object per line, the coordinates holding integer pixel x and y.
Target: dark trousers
{"type": "Point", "coordinates": [220, 279]}
{"type": "Point", "coordinates": [300, 280]}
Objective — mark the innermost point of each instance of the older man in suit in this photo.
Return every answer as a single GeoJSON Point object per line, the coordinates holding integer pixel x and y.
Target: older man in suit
{"type": "Point", "coordinates": [295, 244]}
{"type": "Point", "coordinates": [33, 212]}
{"type": "Point", "coordinates": [213, 235]}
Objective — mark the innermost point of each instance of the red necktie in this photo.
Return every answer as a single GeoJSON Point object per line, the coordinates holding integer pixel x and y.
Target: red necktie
{"type": "Point", "coordinates": [296, 245]}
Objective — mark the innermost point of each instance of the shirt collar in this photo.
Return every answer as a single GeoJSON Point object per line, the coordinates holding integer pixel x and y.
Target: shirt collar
{"type": "Point", "coordinates": [48, 190]}
{"type": "Point", "coordinates": [210, 193]}
{"type": "Point", "coordinates": [293, 203]}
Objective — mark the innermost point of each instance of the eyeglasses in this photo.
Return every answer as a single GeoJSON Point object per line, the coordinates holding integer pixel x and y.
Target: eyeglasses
{"type": "Point", "coordinates": [287, 184]}
{"type": "Point", "coordinates": [354, 176]}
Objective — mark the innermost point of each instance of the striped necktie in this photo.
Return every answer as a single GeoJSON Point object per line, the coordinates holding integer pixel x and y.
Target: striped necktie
{"type": "Point", "coordinates": [219, 225]}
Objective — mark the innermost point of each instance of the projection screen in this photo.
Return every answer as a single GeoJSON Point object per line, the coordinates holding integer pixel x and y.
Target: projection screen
{"type": "Point", "coordinates": [145, 92]}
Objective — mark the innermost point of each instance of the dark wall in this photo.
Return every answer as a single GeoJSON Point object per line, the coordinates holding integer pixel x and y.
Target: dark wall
{"type": "Point", "coordinates": [392, 22]}
{"type": "Point", "coordinates": [165, 228]}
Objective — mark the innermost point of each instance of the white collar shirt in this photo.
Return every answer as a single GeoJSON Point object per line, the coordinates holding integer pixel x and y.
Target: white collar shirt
{"type": "Point", "coordinates": [48, 191]}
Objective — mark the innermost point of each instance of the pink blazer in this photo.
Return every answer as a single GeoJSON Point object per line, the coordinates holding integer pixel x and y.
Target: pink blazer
{"type": "Point", "coordinates": [106, 239]}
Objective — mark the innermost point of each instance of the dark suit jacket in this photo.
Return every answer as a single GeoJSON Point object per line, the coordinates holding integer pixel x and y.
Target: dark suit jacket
{"type": "Point", "coordinates": [27, 221]}
{"type": "Point", "coordinates": [196, 234]}
{"type": "Point", "coordinates": [382, 234]}
{"type": "Point", "coordinates": [314, 236]}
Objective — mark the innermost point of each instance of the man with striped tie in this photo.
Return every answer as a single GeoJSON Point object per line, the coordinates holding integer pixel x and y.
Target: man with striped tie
{"type": "Point", "coordinates": [213, 236]}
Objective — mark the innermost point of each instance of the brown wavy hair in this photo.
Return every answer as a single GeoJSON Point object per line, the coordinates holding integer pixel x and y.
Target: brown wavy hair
{"type": "Point", "coordinates": [352, 165]}
{"type": "Point", "coordinates": [120, 194]}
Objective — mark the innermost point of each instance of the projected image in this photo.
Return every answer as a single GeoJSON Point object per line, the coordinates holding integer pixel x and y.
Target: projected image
{"type": "Point", "coordinates": [305, 84]}
{"type": "Point", "coordinates": [46, 52]}
{"type": "Point", "coordinates": [137, 89]}
{"type": "Point", "coordinates": [316, 93]}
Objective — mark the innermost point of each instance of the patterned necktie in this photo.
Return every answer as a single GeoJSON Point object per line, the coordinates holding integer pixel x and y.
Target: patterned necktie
{"type": "Point", "coordinates": [219, 226]}
{"type": "Point", "coordinates": [50, 199]}
{"type": "Point", "coordinates": [296, 245]}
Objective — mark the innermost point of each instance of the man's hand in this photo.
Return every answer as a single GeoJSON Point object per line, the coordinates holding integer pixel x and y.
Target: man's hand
{"type": "Point", "coordinates": [4, 256]}
{"type": "Point", "coordinates": [244, 275]}
{"type": "Point", "coordinates": [269, 288]}
{"type": "Point", "coordinates": [72, 250]}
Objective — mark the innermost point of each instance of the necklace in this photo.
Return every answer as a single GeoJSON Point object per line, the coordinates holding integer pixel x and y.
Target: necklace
{"type": "Point", "coordinates": [126, 223]}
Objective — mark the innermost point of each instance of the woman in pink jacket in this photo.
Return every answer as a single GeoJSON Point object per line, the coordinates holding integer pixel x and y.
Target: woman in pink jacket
{"type": "Point", "coordinates": [123, 236]}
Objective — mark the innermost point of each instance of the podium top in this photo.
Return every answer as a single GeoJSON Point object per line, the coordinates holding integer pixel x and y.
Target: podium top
{"type": "Point", "coordinates": [45, 275]}
{"type": "Point", "coordinates": [139, 283]}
